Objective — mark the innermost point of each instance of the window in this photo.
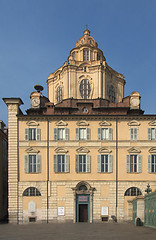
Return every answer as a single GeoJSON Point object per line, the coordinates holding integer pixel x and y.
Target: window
{"type": "Point", "coordinates": [105, 163]}
{"type": "Point", "coordinates": [32, 134]}
{"type": "Point", "coordinates": [133, 191]}
{"type": "Point", "coordinates": [32, 163]}
{"type": "Point", "coordinates": [83, 188]}
{"type": "Point", "coordinates": [98, 56]}
{"type": "Point", "coordinates": [61, 163]}
{"type": "Point", "coordinates": [85, 89]}
{"type": "Point", "coordinates": [151, 133]}
{"type": "Point", "coordinates": [85, 55]}
{"type": "Point", "coordinates": [74, 56]}
{"type": "Point", "coordinates": [82, 163]}
{"type": "Point", "coordinates": [134, 163]}
{"type": "Point", "coordinates": [31, 191]}
{"type": "Point", "coordinates": [112, 97]}
{"type": "Point", "coordinates": [84, 110]}
{"type": "Point", "coordinates": [85, 69]}
{"type": "Point", "coordinates": [82, 133]}
{"type": "Point", "coordinates": [59, 94]}
{"type": "Point", "coordinates": [61, 133]}
{"type": "Point", "coordinates": [105, 133]}
{"type": "Point", "coordinates": [133, 134]}
{"type": "Point", "coordinates": [152, 163]}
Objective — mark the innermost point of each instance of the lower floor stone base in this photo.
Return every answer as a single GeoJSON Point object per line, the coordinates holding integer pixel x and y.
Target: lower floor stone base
{"type": "Point", "coordinates": [73, 201]}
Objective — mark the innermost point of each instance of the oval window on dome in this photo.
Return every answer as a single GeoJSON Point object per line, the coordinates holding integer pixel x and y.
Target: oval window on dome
{"type": "Point", "coordinates": [85, 88]}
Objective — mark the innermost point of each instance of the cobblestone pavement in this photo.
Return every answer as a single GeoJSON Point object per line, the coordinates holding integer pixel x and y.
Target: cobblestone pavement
{"type": "Point", "coordinates": [83, 231]}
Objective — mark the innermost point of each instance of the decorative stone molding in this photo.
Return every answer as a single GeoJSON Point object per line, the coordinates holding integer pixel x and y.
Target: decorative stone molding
{"type": "Point", "coordinates": [32, 123]}
{"type": "Point", "coordinates": [133, 123]}
{"type": "Point", "coordinates": [104, 150]}
{"type": "Point", "coordinates": [83, 150]}
{"type": "Point", "coordinates": [32, 150]}
{"type": "Point", "coordinates": [135, 100]}
{"type": "Point", "coordinates": [61, 123]}
{"type": "Point", "coordinates": [152, 150]}
{"type": "Point", "coordinates": [82, 123]}
{"type": "Point", "coordinates": [61, 150]}
{"type": "Point", "coordinates": [88, 190]}
{"type": "Point", "coordinates": [134, 150]}
{"type": "Point", "coordinates": [105, 123]}
{"type": "Point", "coordinates": [153, 123]}
{"type": "Point", "coordinates": [84, 76]}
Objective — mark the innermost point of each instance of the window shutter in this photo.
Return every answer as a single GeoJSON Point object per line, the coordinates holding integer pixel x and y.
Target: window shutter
{"type": "Point", "coordinates": [26, 163]}
{"type": "Point", "coordinates": [38, 134]}
{"type": "Point", "coordinates": [55, 164]}
{"type": "Point", "coordinates": [131, 133]}
{"type": "Point", "coordinates": [76, 133]}
{"type": "Point", "coordinates": [128, 163]}
{"type": "Point", "coordinates": [38, 163]}
{"type": "Point", "coordinates": [110, 163]}
{"type": "Point", "coordinates": [99, 133]}
{"type": "Point", "coordinates": [26, 134]}
{"type": "Point", "coordinates": [67, 133]}
{"type": "Point", "coordinates": [87, 163]}
{"type": "Point", "coordinates": [99, 162]}
{"type": "Point", "coordinates": [135, 133]}
{"type": "Point", "coordinates": [76, 163]}
{"type": "Point", "coordinates": [55, 134]}
{"type": "Point", "coordinates": [88, 133]}
{"type": "Point", "coordinates": [110, 133]}
{"type": "Point", "coordinates": [149, 163]}
{"type": "Point", "coordinates": [66, 163]}
{"type": "Point", "coordinates": [139, 163]}
{"type": "Point", "coordinates": [149, 133]}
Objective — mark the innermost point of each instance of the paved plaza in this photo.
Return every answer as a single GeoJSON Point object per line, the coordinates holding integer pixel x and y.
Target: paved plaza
{"type": "Point", "coordinates": [83, 231]}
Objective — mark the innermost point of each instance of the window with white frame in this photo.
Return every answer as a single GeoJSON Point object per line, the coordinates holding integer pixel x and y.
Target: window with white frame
{"type": "Point", "coordinates": [105, 133]}
{"type": "Point", "coordinates": [32, 163]}
{"type": "Point", "coordinates": [151, 133]}
{"type": "Point", "coordinates": [61, 133]}
{"type": "Point", "coordinates": [134, 133]}
{"type": "Point", "coordinates": [105, 163]}
{"type": "Point", "coordinates": [32, 134]}
{"type": "Point", "coordinates": [85, 54]}
{"type": "Point", "coordinates": [134, 163]}
{"type": "Point", "coordinates": [61, 163]}
{"type": "Point", "coordinates": [82, 163]}
{"type": "Point", "coordinates": [152, 163]}
{"type": "Point", "coordinates": [82, 133]}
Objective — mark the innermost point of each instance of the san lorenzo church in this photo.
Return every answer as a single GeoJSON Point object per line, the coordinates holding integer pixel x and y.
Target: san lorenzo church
{"type": "Point", "coordinates": [83, 153]}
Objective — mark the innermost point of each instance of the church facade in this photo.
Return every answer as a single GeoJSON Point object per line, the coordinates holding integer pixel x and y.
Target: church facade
{"type": "Point", "coordinates": [85, 152]}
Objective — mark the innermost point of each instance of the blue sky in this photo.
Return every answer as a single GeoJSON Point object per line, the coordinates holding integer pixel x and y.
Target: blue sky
{"type": "Point", "coordinates": [36, 37]}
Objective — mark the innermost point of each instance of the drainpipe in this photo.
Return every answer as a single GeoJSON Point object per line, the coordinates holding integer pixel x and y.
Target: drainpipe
{"type": "Point", "coordinates": [47, 170]}
{"type": "Point", "coordinates": [116, 168]}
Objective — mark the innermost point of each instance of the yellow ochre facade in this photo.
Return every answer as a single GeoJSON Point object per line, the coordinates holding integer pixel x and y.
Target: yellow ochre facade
{"type": "Point", "coordinates": [85, 152]}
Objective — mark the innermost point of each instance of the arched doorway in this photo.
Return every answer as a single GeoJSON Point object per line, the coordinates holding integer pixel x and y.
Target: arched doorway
{"type": "Point", "coordinates": [83, 197]}
{"type": "Point", "coordinates": [129, 195]}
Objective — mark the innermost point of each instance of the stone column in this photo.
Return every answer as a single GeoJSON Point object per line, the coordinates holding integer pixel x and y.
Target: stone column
{"type": "Point", "coordinates": [13, 109]}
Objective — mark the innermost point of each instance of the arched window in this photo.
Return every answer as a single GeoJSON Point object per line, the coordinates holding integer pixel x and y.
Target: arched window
{"type": "Point", "coordinates": [133, 191]}
{"type": "Point", "coordinates": [83, 187]}
{"type": "Point", "coordinates": [31, 191]}
{"type": "Point", "coordinates": [59, 94]}
{"type": "Point", "coordinates": [98, 56]}
{"type": "Point", "coordinates": [112, 96]}
{"type": "Point", "coordinates": [85, 89]}
{"type": "Point", "coordinates": [85, 55]}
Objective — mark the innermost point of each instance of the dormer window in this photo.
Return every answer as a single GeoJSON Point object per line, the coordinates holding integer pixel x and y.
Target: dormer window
{"type": "Point", "coordinates": [98, 56]}
{"type": "Point", "coordinates": [85, 55]}
{"type": "Point", "coordinates": [82, 41]}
